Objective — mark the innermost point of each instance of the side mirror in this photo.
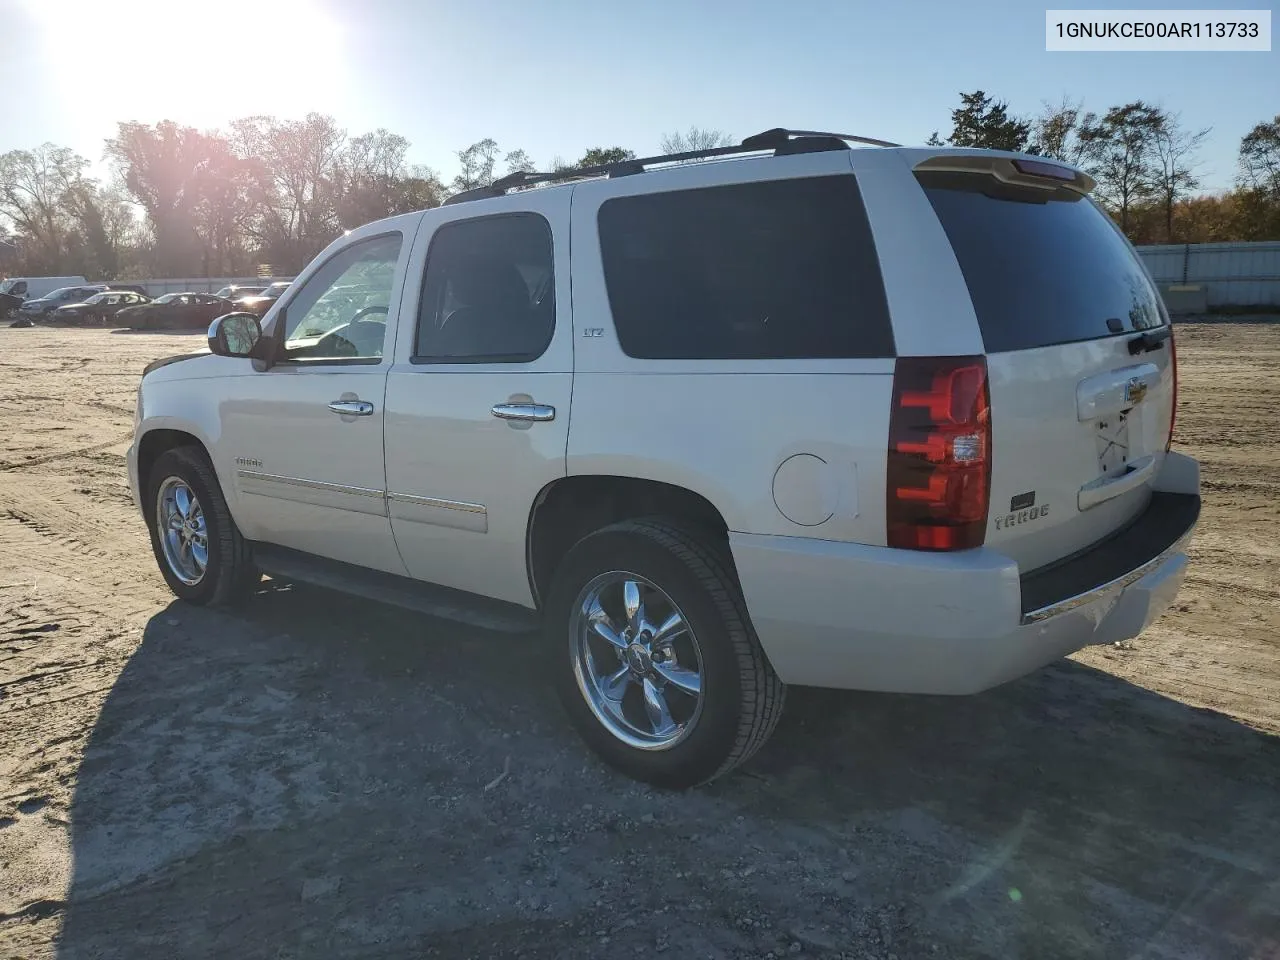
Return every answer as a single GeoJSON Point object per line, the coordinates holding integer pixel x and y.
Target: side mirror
{"type": "Point", "coordinates": [234, 335]}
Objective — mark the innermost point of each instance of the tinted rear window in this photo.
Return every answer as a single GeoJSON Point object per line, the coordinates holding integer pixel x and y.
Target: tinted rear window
{"type": "Point", "coordinates": [1041, 269]}
{"type": "Point", "coordinates": [779, 269]}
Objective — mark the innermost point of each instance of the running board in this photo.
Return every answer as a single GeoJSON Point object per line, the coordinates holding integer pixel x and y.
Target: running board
{"type": "Point", "coordinates": [283, 563]}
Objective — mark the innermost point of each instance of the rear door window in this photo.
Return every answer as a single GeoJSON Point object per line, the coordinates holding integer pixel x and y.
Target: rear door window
{"type": "Point", "coordinates": [781, 269]}
{"type": "Point", "coordinates": [488, 294]}
{"type": "Point", "coordinates": [1043, 268]}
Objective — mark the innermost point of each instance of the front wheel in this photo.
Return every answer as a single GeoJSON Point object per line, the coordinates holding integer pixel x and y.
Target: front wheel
{"type": "Point", "coordinates": [655, 660]}
{"type": "Point", "coordinates": [197, 545]}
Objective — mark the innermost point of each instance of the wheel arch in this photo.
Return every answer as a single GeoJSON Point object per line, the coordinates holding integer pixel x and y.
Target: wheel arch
{"type": "Point", "coordinates": [569, 508]}
{"type": "Point", "coordinates": [157, 440]}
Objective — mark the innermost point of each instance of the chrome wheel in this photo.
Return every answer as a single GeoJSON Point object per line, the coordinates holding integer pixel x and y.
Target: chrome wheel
{"type": "Point", "coordinates": [636, 660]}
{"type": "Point", "coordinates": [184, 537]}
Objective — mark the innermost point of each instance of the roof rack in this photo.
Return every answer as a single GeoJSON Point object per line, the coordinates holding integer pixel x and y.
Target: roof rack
{"type": "Point", "coordinates": [780, 141]}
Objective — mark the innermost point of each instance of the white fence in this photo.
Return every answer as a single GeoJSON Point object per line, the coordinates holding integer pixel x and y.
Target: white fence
{"type": "Point", "coordinates": [1232, 274]}
{"type": "Point", "coordinates": [156, 288]}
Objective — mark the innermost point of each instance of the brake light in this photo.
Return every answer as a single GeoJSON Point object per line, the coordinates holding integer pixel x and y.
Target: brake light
{"type": "Point", "coordinates": [939, 468]}
{"type": "Point", "coordinates": [1039, 168]}
{"type": "Point", "coordinates": [1173, 413]}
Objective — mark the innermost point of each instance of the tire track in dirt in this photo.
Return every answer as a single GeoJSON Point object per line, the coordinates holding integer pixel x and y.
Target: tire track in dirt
{"type": "Point", "coordinates": [66, 454]}
{"type": "Point", "coordinates": [48, 539]}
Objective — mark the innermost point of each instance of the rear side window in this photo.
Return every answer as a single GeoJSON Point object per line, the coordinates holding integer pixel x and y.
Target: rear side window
{"type": "Point", "coordinates": [1042, 268]}
{"type": "Point", "coordinates": [782, 269]}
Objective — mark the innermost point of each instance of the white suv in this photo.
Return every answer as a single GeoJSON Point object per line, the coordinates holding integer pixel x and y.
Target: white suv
{"type": "Point", "coordinates": [878, 419]}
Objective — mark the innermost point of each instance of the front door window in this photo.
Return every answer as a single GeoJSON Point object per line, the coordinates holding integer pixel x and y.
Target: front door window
{"type": "Point", "coordinates": [340, 313]}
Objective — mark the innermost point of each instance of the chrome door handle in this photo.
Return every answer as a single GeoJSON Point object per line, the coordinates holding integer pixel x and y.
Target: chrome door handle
{"type": "Point", "coordinates": [524, 411]}
{"type": "Point", "coordinates": [352, 408]}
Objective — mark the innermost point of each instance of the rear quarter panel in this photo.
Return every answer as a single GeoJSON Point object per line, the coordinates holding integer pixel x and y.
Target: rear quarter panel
{"type": "Point", "coordinates": [723, 428]}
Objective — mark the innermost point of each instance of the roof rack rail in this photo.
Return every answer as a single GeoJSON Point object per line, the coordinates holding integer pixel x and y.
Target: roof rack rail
{"type": "Point", "coordinates": [779, 135]}
{"type": "Point", "coordinates": [780, 141]}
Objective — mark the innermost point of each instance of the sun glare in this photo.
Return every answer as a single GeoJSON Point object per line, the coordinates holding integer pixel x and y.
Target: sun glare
{"type": "Point", "coordinates": [197, 63]}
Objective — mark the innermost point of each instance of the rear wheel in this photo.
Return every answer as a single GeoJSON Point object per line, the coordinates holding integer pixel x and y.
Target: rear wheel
{"type": "Point", "coordinates": [654, 658]}
{"type": "Point", "coordinates": [197, 545]}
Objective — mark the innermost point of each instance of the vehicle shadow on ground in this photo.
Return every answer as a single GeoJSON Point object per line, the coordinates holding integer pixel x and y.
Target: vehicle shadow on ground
{"type": "Point", "coordinates": [321, 776]}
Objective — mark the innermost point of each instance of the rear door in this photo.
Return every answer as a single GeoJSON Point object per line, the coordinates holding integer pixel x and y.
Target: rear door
{"type": "Point", "coordinates": [1079, 357]}
{"type": "Point", "coordinates": [478, 398]}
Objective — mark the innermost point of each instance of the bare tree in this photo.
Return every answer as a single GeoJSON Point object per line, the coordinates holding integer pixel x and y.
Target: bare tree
{"type": "Point", "coordinates": [478, 162]}
{"type": "Point", "coordinates": [38, 189]}
{"type": "Point", "coordinates": [1260, 157]}
{"type": "Point", "coordinates": [1055, 133]}
{"type": "Point", "coordinates": [517, 161]}
{"type": "Point", "coordinates": [1174, 149]}
{"type": "Point", "coordinates": [695, 138]}
{"type": "Point", "coordinates": [1119, 152]}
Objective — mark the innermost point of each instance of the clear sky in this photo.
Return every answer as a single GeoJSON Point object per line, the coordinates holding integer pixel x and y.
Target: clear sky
{"type": "Point", "coordinates": [557, 77]}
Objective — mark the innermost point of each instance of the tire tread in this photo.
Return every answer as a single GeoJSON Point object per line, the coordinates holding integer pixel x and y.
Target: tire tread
{"type": "Point", "coordinates": [235, 572]}
{"type": "Point", "coordinates": [763, 694]}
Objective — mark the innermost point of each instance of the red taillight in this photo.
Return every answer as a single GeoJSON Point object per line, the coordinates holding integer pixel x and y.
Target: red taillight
{"type": "Point", "coordinates": [939, 476]}
{"type": "Point", "coordinates": [1173, 413]}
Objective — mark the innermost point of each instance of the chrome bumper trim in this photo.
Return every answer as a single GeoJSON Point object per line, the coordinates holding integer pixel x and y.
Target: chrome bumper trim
{"type": "Point", "coordinates": [1097, 593]}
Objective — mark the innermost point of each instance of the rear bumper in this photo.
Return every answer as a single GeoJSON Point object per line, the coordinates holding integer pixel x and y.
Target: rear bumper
{"type": "Point", "coordinates": [871, 618]}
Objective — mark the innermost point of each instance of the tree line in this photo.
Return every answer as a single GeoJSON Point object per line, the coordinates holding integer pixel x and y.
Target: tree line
{"type": "Point", "coordinates": [265, 195]}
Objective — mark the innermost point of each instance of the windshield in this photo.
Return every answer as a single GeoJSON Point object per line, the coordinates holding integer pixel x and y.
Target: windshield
{"type": "Point", "coordinates": [275, 290]}
{"type": "Point", "coordinates": [97, 298]}
{"type": "Point", "coordinates": [167, 298]}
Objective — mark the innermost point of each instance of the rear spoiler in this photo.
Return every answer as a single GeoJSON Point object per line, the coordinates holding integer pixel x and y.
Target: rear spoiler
{"type": "Point", "coordinates": [1022, 171]}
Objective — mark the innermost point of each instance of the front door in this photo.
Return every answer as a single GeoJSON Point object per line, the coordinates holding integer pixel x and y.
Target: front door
{"type": "Point", "coordinates": [478, 400]}
{"type": "Point", "coordinates": [305, 436]}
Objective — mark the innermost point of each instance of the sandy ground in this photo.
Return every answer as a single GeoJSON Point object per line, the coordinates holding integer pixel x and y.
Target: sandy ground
{"type": "Point", "coordinates": [320, 777]}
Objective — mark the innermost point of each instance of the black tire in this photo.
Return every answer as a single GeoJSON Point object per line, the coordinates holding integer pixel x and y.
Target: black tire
{"type": "Point", "coordinates": [230, 574]}
{"type": "Point", "coordinates": [742, 696]}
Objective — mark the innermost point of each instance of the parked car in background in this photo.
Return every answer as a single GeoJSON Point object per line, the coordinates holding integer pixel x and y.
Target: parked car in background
{"type": "Point", "coordinates": [262, 302]}
{"type": "Point", "coordinates": [178, 311]}
{"type": "Point", "coordinates": [131, 288]}
{"type": "Point", "coordinates": [237, 291]}
{"type": "Point", "coordinates": [34, 288]}
{"type": "Point", "coordinates": [45, 305]}
{"type": "Point", "coordinates": [99, 308]}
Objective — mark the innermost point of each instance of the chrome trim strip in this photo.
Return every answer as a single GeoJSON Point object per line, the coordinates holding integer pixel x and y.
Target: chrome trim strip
{"type": "Point", "coordinates": [1097, 593]}
{"type": "Point", "coordinates": [312, 484]}
{"type": "Point", "coordinates": [458, 505]}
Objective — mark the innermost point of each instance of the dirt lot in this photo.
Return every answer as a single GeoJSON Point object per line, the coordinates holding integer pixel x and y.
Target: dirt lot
{"type": "Point", "coordinates": [319, 776]}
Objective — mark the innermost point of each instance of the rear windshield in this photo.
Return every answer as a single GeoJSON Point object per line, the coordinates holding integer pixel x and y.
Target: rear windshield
{"type": "Point", "coordinates": [1042, 268]}
{"type": "Point", "coordinates": [776, 269]}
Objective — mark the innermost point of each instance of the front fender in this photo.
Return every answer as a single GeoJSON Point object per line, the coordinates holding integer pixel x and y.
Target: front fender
{"type": "Point", "coordinates": [179, 406]}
